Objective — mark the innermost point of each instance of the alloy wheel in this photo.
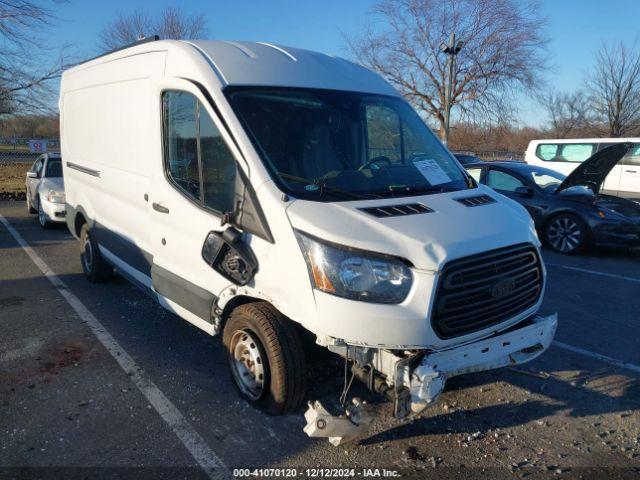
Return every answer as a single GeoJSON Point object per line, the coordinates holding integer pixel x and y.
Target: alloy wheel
{"type": "Point", "coordinates": [564, 234]}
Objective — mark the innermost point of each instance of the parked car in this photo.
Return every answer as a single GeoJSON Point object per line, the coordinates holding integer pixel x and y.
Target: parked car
{"type": "Point", "coordinates": [466, 158]}
{"type": "Point", "coordinates": [566, 154]}
{"type": "Point", "coordinates": [569, 211]}
{"type": "Point", "coordinates": [45, 190]}
{"type": "Point", "coordinates": [241, 184]}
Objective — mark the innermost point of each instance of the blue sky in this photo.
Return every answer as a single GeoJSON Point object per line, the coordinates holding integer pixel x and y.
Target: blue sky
{"type": "Point", "coordinates": [577, 28]}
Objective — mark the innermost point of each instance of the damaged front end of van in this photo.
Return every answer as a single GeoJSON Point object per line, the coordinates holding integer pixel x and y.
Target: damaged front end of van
{"type": "Point", "coordinates": [414, 379]}
{"type": "Point", "coordinates": [406, 321]}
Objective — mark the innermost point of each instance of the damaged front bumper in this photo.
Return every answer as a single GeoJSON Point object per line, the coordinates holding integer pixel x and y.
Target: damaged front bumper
{"type": "Point", "coordinates": [512, 347]}
{"type": "Point", "coordinates": [415, 379]}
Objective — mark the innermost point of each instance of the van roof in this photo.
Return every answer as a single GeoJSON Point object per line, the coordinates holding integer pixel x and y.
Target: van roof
{"type": "Point", "coordinates": [264, 64]}
{"type": "Point", "coordinates": [261, 63]}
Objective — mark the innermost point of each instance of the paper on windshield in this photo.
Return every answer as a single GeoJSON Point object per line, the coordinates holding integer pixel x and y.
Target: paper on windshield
{"type": "Point", "coordinates": [430, 170]}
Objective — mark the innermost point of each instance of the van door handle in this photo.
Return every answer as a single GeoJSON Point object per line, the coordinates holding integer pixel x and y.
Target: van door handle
{"type": "Point", "coordinates": [630, 171]}
{"type": "Point", "coordinates": [159, 208]}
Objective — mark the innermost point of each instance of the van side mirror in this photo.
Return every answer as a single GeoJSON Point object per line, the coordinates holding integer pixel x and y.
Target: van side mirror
{"type": "Point", "coordinates": [32, 175]}
{"type": "Point", "coordinates": [524, 191]}
{"type": "Point", "coordinates": [230, 256]}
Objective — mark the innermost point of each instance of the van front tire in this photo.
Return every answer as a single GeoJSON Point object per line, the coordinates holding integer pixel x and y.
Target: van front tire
{"type": "Point", "coordinates": [94, 266]}
{"type": "Point", "coordinates": [265, 357]}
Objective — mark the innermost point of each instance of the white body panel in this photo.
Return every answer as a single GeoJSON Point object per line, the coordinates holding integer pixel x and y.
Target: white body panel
{"type": "Point", "coordinates": [622, 179]}
{"type": "Point", "coordinates": [630, 177]}
{"type": "Point", "coordinates": [113, 159]}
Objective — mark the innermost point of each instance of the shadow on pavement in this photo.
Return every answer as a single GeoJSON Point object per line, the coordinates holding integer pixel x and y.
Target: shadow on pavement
{"type": "Point", "coordinates": [620, 394]}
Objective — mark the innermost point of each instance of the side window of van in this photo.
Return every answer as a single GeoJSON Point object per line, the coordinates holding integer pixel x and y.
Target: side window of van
{"type": "Point", "coordinates": [576, 152]}
{"type": "Point", "coordinates": [547, 151]}
{"type": "Point", "coordinates": [218, 167]}
{"type": "Point", "coordinates": [197, 158]}
{"type": "Point", "coordinates": [565, 152]}
{"type": "Point", "coordinates": [181, 143]}
{"type": "Point", "coordinates": [633, 157]}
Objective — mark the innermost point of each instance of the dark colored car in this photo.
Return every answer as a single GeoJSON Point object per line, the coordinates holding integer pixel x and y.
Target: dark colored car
{"type": "Point", "coordinates": [466, 158]}
{"type": "Point", "coordinates": [568, 211]}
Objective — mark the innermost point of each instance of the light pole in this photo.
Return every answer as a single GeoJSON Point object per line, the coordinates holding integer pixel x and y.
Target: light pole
{"type": "Point", "coordinates": [452, 49]}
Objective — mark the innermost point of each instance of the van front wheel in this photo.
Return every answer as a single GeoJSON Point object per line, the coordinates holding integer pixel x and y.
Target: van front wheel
{"type": "Point", "coordinates": [95, 268]}
{"type": "Point", "coordinates": [265, 356]}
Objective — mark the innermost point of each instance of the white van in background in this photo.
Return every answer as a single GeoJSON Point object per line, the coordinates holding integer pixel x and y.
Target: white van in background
{"type": "Point", "coordinates": [243, 186]}
{"type": "Point", "coordinates": [564, 155]}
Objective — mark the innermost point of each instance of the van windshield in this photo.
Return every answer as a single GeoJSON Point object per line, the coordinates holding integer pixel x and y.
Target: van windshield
{"type": "Point", "coordinates": [333, 145]}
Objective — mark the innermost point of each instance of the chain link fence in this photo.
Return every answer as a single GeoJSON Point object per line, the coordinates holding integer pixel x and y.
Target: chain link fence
{"type": "Point", "coordinates": [26, 150]}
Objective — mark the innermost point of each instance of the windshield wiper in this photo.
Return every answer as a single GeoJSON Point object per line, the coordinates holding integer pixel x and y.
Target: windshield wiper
{"type": "Point", "coordinates": [323, 187]}
{"type": "Point", "coordinates": [406, 190]}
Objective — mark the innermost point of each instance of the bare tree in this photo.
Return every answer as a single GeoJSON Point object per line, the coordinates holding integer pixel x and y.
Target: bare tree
{"type": "Point", "coordinates": [568, 113]}
{"type": "Point", "coordinates": [503, 51]}
{"type": "Point", "coordinates": [26, 69]}
{"type": "Point", "coordinates": [125, 29]}
{"type": "Point", "coordinates": [173, 23]}
{"type": "Point", "coordinates": [614, 88]}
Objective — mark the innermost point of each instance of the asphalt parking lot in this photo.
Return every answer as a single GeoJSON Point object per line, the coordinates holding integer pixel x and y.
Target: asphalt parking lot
{"type": "Point", "coordinates": [115, 386]}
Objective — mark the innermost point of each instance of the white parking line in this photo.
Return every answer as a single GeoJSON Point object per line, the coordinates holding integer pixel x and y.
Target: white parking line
{"type": "Point", "coordinates": [594, 272]}
{"type": "Point", "coordinates": [190, 438]}
{"type": "Point", "coordinates": [597, 356]}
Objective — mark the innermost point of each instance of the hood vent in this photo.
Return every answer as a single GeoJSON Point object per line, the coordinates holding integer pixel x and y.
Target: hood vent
{"type": "Point", "coordinates": [475, 201]}
{"type": "Point", "coordinates": [397, 210]}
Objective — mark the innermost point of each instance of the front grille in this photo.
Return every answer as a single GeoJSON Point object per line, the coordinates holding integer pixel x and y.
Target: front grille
{"type": "Point", "coordinates": [482, 290]}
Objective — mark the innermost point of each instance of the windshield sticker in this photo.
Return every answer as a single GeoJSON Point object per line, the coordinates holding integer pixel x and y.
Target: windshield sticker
{"type": "Point", "coordinates": [430, 170]}
{"type": "Point", "coordinates": [311, 188]}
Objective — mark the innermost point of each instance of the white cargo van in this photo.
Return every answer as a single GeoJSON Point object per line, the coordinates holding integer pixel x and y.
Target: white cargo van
{"type": "Point", "coordinates": [261, 192]}
{"type": "Point", "coordinates": [564, 155]}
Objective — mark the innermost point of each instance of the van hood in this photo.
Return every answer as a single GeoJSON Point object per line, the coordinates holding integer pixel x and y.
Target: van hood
{"type": "Point", "coordinates": [428, 240]}
{"type": "Point", "coordinates": [592, 172]}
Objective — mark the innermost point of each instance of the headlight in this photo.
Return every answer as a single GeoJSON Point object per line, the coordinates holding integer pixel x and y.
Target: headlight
{"type": "Point", "coordinates": [355, 274]}
{"type": "Point", "coordinates": [56, 197]}
{"type": "Point", "coordinates": [611, 214]}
